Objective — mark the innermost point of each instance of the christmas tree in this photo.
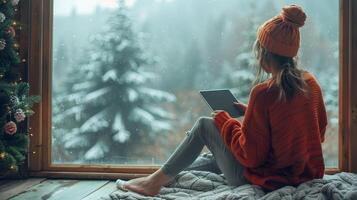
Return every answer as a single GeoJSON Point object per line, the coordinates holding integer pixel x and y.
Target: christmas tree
{"type": "Point", "coordinates": [110, 110]}
{"type": "Point", "coordinates": [15, 104]}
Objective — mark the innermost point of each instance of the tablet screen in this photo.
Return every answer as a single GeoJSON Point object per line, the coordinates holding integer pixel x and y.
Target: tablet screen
{"type": "Point", "coordinates": [221, 100]}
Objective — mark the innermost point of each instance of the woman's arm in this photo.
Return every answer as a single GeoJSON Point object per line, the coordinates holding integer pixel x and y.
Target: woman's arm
{"type": "Point", "coordinates": [249, 141]}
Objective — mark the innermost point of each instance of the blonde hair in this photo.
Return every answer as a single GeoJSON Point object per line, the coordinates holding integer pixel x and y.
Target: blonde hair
{"type": "Point", "coordinates": [289, 78]}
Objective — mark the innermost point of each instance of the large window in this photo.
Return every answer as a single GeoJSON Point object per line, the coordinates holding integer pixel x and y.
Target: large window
{"type": "Point", "coordinates": [126, 74]}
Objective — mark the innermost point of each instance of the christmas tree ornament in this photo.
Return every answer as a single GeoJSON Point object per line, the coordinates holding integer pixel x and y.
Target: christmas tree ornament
{"type": "Point", "coordinates": [14, 100]}
{"type": "Point", "coordinates": [15, 2]}
{"type": "Point", "coordinates": [2, 155]}
{"type": "Point", "coordinates": [13, 167]}
{"type": "Point", "coordinates": [2, 17]}
{"type": "Point", "coordinates": [10, 128]}
{"type": "Point", "coordinates": [11, 31]}
{"type": "Point", "coordinates": [19, 115]}
{"type": "Point", "coordinates": [2, 44]}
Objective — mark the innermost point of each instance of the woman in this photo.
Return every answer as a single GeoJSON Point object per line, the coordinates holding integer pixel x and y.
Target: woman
{"type": "Point", "coordinates": [278, 143]}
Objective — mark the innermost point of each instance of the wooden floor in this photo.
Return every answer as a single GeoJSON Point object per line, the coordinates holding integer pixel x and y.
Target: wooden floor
{"type": "Point", "coordinates": [43, 189]}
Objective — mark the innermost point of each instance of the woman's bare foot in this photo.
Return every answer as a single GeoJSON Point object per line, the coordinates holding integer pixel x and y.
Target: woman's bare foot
{"type": "Point", "coordinates": [143, 186]}
{"type": "Point", "coordinates": [149, 186]}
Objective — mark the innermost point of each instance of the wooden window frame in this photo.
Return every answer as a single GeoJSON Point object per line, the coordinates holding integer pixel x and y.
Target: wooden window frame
{"type": "Point", "coordinates": [39, 52]}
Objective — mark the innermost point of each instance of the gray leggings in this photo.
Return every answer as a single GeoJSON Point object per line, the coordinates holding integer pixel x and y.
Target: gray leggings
{"type": "Point", "coordinates": [205, 132]}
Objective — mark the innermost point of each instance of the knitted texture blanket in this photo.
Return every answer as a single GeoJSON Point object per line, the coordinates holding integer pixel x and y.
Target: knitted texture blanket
{"type": "Point", "coordinates": [207, 185]}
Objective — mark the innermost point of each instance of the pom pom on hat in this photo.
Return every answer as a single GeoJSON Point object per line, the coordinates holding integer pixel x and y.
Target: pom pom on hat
{"type": "Point", "coordinates": [293, 14]}
{"type": "Point", "coordinates": [280, 34]}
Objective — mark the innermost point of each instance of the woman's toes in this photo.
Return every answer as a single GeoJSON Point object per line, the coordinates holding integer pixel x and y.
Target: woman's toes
{"type": "Point", "coordinates": [141, 186]}
{"type": "Point", "coordinates": [120, 184]}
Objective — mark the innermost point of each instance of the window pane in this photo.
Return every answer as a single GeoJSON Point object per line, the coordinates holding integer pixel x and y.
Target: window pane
{"type": "Point", "coordinates": [126, 75]}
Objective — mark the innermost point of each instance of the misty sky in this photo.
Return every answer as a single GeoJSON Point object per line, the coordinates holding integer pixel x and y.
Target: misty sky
{"type": "Point", "coordinates": [65, 7]}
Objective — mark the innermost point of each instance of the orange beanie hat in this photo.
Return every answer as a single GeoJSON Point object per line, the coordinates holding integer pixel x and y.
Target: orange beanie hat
{"type": "Point", "coordinates": [280, 34]}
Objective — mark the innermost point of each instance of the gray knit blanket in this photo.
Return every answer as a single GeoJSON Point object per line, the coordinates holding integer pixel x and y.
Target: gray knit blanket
{"type": "Point", "coordinates": [207, 185]}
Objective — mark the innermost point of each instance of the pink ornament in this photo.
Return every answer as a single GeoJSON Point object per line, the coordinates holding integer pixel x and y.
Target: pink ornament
{"type": "Point", "coordinates": [10, 128]}
{"type": "Point", "coordinates": [11, 31]}
{"type": "Point", "coordinates": [19, 115]}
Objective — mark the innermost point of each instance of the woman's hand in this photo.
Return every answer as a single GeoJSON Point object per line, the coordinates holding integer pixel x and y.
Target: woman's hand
{"type": "Point", "coordinates": [215, 112]}
{"type": "Point", "coordinates": [241, 107]}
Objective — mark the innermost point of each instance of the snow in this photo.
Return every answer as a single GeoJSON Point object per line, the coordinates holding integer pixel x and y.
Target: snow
{"type": "Point", "coordinates": [159, 112]}
{"type": "Point", "coordinates": [82, 85]}
{"type": "Point", "coordinates": [122, 134]}
{"type": "Point", "coordinates": [133, 77]}
{"type": "Point", "coordinates": [118, 122]}
{"type": "Point", "coordinates": [137, 77]}
{"type": "Point", "coordinates": [92, 56]}
{"type": "Point", "coordinates": [96, 94]}
{"type": "Point", "coordinates": [110, 75]}
{"type": "Point", "coordinates": [157, 94]}
{"type": "Point", "coordinates": [139, 114]}
{"type": "Point", "coordinates": [132, 94]}
{"type": "Point", "coordinates": [73, 97]}
{"type": "Point", "coordinates": [97, 151]}
{"type": "Point", "coordinates": [63, 114]}
{"type": "Point", "coordinates": [161, 125]}
{"type": "Point", "coordinates": [95, 123]}
{"type": "Point", "coordinates": [72, 139]}
{"type": "Point", "coordinates": [124, 43]}
{"type": "Point", "coordinates": [76, 142]}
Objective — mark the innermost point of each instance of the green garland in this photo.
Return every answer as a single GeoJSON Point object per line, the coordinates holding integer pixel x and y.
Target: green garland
{"type": "Point", "coordinates": [15, 103]}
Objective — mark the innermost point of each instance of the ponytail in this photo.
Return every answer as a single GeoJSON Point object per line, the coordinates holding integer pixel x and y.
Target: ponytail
{"type": "Point", "coordinates": [289, 81]}
{"type": "Point", "coordinates": [289, 78]}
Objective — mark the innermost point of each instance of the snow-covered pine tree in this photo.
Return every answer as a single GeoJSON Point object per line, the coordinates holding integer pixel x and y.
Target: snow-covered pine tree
{"type": "Point", "coordinates": [110, 109]}
{"type": "Point", "coordinates": [241, 73]}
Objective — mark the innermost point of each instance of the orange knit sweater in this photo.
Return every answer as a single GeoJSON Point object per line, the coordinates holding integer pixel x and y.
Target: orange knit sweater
{"type": "Point", "coordinates": [278, 143]}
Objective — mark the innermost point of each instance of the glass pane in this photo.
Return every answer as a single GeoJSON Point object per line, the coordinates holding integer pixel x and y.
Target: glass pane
{"type": "Point", "coordinates": [126, 74]}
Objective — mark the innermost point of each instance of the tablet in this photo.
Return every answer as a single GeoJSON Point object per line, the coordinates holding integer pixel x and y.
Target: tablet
{"type": "Point", "coordinates": [221, 100]}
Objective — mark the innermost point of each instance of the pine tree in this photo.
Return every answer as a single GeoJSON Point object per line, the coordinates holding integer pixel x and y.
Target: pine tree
{"type": "Point", "coordinates": [110, 110]}
{"type": "Point", "coordinates": [241, 73]}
